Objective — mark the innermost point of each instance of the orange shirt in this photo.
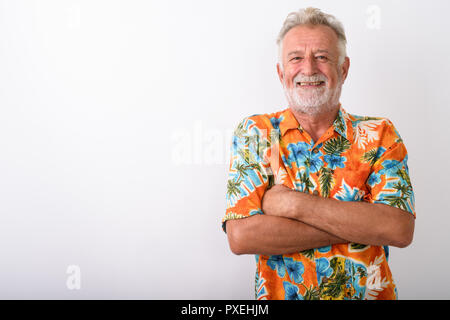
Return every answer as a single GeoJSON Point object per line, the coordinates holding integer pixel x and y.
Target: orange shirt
{"type": "Point", "coordinates": [357, 159]}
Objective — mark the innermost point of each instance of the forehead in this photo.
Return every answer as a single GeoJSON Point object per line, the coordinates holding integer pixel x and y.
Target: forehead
{"type": "Point", "coordinates": [310, 37]}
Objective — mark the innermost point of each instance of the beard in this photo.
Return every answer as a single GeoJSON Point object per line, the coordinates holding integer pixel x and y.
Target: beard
{"type": "Point", "coordinates": [313, 101]}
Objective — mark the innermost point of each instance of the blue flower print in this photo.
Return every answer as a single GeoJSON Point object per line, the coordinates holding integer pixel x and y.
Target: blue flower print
{"type": "Point", "coordinates": [323, 269]}
{"type": "Point", "coordinates": [295, 269]}
{"type": "Point", "coordinates": [291, 291]}
{"type": "Point", "coordinates": [334, 161]}
{"type": "Point", "coordinates": [277, 263]}
{"type": "Point", "coordinates": [324, 249]}
{"type": "Point", "coordinates": [276, 122]}
{"type": "Point", "coordinates": [298, 152]}
{"type": "Point", "coordinates": [374, 179]}
{"type": "Point", "coordinates": [315, 163]}
{"type": "Point", "coordinates": [390, 167]}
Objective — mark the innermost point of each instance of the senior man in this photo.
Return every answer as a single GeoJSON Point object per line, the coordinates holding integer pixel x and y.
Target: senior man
{"type": "Point", "coordinates": [315, 193]}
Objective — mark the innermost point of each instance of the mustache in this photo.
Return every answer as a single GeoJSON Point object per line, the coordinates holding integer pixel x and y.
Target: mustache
{"type": "Point", "coordinates": [314, 78]}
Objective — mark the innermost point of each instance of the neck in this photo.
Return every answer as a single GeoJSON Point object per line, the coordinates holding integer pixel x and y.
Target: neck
{"type": "Point", "coordinates": [316, 124]}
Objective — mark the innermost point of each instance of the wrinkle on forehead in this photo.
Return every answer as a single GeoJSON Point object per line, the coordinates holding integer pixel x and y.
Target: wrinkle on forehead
{"type": "Point", "coordinates": [306, 38]}
{"type": "Point", "coordinates": [302, 51]}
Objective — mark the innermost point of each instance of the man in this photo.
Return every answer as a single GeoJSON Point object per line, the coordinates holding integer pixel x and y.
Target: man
{"type": "Point", "coordinates": [318, 194]}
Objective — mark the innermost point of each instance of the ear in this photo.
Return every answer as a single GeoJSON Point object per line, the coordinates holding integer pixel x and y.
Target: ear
{"type": "Point", "coordinates": [280, 73]}
{"type": "Point", "coordinates": [344, 68]}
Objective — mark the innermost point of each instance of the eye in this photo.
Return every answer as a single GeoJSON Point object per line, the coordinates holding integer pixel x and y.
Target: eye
{"type": "Point", "coordinates": [323, 58]}
{"type": "Point", "coordinates": [296, 58]}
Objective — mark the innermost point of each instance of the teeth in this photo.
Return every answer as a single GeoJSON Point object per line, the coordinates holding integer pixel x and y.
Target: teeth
{"type": "Point", "coordinates": [310, 83]}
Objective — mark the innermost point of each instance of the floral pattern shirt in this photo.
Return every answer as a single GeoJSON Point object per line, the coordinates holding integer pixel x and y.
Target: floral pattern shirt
{"type": "Point", "coordinates": [357, 159]}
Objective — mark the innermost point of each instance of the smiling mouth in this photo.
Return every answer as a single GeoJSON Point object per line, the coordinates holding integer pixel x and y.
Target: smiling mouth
{"type": "Point", "coordinates": [310, 84]}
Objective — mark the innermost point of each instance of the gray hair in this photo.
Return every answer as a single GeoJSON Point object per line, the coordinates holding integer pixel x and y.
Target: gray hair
{"type": "Point", "coordinates": [313, 16]}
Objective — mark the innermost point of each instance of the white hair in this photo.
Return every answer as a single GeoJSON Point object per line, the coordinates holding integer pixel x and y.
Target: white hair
{"type": "Point", "coordinates": [313, 16]}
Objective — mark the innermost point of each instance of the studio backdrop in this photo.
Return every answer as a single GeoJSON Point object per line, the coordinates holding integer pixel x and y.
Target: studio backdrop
{"type": "Point", "coordinates": [115, 128]}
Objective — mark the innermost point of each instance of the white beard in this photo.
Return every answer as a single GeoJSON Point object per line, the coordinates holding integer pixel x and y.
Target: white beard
{"type": "Point", "coordinates": [312, 101]}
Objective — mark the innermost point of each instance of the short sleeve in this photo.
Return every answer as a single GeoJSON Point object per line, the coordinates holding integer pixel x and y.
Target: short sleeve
{"type": "Point", "coordinates": [249, 175]}
{"type": "Point", "coordinates": [389, 182]}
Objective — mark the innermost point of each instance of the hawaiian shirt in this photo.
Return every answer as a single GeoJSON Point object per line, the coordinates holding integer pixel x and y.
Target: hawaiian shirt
{"type": "Point", "coordinates": [357, 159]}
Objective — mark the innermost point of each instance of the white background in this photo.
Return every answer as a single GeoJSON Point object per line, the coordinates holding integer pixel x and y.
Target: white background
{"type": "Point", "coordinates": [95, 95]}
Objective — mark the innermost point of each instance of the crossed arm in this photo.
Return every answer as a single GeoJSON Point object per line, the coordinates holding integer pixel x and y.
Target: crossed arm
{"type": "Point", "coordinates": [294, 221]}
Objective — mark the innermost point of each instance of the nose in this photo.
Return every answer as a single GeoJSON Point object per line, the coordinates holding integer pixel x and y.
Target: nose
{"type": "Point", "coordinates": [309, 66]}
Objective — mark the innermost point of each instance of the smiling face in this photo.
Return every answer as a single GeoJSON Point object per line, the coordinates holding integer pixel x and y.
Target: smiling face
{"type": "Point", "coordinates": [311, 75]}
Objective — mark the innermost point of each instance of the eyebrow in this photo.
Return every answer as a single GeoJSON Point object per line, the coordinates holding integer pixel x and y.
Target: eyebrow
{"type": "Point", "coordinates": [299, 51]}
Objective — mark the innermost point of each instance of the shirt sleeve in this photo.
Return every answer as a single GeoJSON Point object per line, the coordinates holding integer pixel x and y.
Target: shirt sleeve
{"type": "Point", "coordinates": [249, 174]}
{"type": "Point", "coordinates": [389, 182]}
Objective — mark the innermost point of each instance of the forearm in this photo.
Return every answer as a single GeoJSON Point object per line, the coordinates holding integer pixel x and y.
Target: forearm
{"type": "Point", "coordinates": [360, 222]}
{"type": "Point", "coordinates": [271, 235]}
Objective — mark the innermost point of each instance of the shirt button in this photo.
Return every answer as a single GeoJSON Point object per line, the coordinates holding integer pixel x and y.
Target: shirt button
{"type": "Point", "coordinates": [315, 192]}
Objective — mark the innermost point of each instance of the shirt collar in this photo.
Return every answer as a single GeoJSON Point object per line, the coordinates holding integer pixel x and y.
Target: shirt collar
{"type": "Point", "coordinates": [342, 124]}
{"type": "Point", "coordinates": [288, 122]}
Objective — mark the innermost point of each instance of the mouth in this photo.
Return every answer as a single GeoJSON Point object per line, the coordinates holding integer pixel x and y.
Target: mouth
{"type": "Point", "coordinates": [310, 84]}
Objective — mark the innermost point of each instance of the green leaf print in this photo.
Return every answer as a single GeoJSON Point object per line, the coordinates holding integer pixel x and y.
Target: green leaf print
{"type": "Point", "coordinates": [336, 146]}
{"type": "Point", "coordinates": [309, 253]}
{"type": "Point", "coordinates": [326, 181]}
{"type": "Point", "coordinates": [357, 246]}
{"type": "Point", "coordinates": [370, 156]}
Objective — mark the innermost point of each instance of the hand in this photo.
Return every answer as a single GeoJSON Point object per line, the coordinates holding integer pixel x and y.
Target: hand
{"type": "Point", "coordinates": [277, 201]}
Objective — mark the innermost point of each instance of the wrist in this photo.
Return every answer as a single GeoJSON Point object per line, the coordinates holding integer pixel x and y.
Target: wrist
{"type": "Point", "coordinates": [303, 204]}
{"type": "Point", "coordinates": [277, 201]}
